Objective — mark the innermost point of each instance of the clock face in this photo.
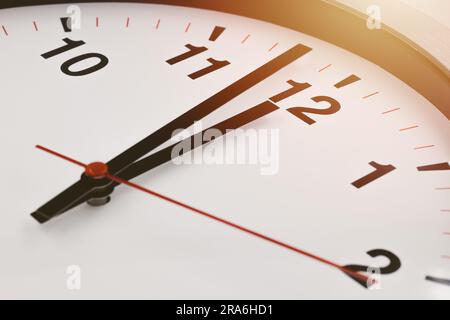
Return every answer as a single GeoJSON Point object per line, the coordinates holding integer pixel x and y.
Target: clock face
{"type": "Point", "coordinates": [341, 170]}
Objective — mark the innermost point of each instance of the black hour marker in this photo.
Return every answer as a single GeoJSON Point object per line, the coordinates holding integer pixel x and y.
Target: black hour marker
{"type": "Point", "coordinates": [349, 80]}
{"type": "Point", "coordinates": [66, 23]}
{"type": "Point", "coordinates": [216, 33]}
{"type": "Point", "coordinates": [380, 170]}
{"type": "Point", "coordinates": [438, 280]}
{"type": "Point", "coordinates": [435, 167]}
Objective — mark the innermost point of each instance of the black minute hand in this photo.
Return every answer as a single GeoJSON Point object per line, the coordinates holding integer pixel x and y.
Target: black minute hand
{"type": "Point", "coordinates": [206, 107]}
{"type": "Point", "coordinates": [86, 188]}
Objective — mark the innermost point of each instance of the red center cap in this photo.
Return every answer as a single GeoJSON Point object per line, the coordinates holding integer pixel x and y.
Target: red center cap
{"type": "Point", "coordinates": [96, 170]}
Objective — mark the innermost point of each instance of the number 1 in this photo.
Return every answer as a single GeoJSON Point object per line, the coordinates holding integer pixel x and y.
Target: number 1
{"type": "Point", "coordinates": [380, 170]}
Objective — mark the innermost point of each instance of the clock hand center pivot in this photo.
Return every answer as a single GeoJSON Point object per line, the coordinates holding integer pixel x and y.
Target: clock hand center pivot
{"type": "Point", "coordinates": [98, 171]}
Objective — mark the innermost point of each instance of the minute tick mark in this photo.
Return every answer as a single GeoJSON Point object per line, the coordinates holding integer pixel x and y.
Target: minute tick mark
{"type": "Point", "coordinates": [370, 95]}
{"type": "Point", "coordinates": [187, 27]}
{"type": "Point", "coordinates": [391, 110]}
{"type": "Point", "coordinates": [424, 147]}
{"type": "Point", "coordinates": [273, 47]}
{"type": "Point", "coordinates": [245, 39]}
{"type": "Point", "coordinates": [408, 128]}
{"type": "Point", "coordinates": [5, 31]}
{"type": "Point", "coordinates": [324, 68]}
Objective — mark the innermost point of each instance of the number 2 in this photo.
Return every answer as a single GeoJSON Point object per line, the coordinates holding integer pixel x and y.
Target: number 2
{"type": "Point", "coordinates": [393, 265]}
{"type": "Point", "coordinates": [299, 112]}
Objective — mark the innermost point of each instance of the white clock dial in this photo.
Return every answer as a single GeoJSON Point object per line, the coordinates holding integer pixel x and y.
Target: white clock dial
{"type": "Point", "coordinates": [365, 182]}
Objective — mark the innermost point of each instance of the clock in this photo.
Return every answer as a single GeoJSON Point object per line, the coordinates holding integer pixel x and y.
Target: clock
{"type": "Point", "coordinates": [220, 151]}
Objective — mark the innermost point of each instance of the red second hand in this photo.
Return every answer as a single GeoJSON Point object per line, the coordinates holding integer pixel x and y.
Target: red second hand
{"type": "Point", "coordinates": [99, 170]}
